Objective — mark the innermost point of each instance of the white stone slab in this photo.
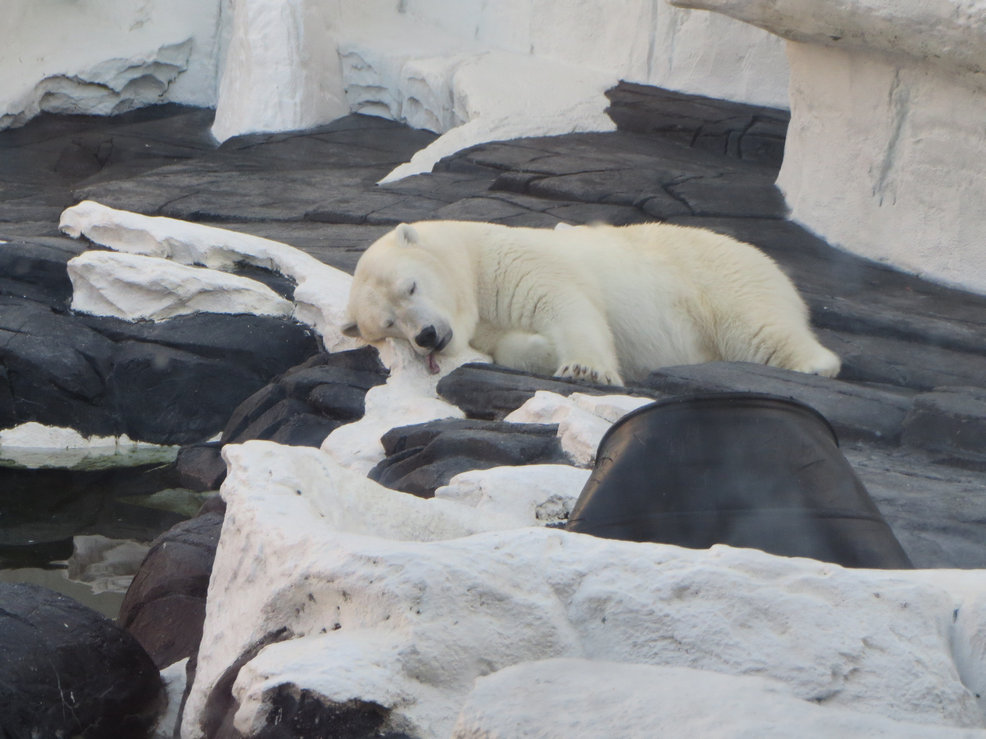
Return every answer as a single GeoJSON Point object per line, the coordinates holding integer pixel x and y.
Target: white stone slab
{"type": "Point", "coordinates": [321, 291]}
{"type": "Point", "coordinates": [135, 288]}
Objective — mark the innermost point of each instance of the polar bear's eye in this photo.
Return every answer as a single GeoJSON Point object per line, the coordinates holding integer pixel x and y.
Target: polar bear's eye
{"type": "Point", "coordinates": [414, 286]}
{"type": "Point", "coordinates": [389, 323]}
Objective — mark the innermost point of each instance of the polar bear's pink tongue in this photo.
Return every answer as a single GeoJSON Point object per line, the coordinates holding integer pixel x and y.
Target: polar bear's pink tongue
{"type": "Point", "coordinates": [432, 364]}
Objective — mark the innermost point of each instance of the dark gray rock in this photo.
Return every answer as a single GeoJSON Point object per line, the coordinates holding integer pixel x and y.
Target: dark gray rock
{"type": "Point", "coordinates": [54, 368]}
{"type": "Point", "coordinates": [749, 132]}
{"type": "Point", "coordinates": [490, 392]}
{"type": "Point", "coordinates": [200, 467]}
{"type": "Point", "coordinates": [426, 456]}
{"type": "Point", "coordinates": [319, 394]}
{"type": "Point", "coordinates": [950, 421]}
{"type": "Point", "coordinates": [935, 510]}
{"type": "Point", "coordinates": [169, 396]}
{"type": "Point", "coordinates": [34, 269]}
{"type": "Point", "coordinates": [164, 607]}
{"type": "Point", "coordinates": [855, 411]}
{"type": "Point", "coordinates": [299, 408]}
{"type": "Point", "coordinates": [174, 381]}
{"type": "Point", "coordinates": [732, 195]}
{"type": "Point", "coordinates": [894, 361]}
{"type": "Point", "coordinates": [297, 712]}
{"type": "Point", "coordinates": [69, 671]}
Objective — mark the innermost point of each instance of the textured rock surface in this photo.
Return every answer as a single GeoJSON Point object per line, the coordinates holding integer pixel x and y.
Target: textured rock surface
{"type": "Point", "coordinates": [136, 288]}
{"type": "Point", "coordinates": [138, 54]}
{"type": "Point", "coordinates": [165, 605]}
{"type": "Point", "coordinates": [299, 408]}
{"type": "Point", "coordinates": [68, 671]}
{"type": "Point", "coordinates": [427, 456]}
{"type": "Point", "coordinates": [598, 699]}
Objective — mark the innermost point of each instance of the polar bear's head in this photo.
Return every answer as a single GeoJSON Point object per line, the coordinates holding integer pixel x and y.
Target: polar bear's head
{"type": "Point", "coordinates": [405, 289]}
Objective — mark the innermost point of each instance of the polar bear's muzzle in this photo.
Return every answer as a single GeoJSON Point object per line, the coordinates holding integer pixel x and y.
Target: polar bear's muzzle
{"type": "Point", "coordinates": [432, 340]}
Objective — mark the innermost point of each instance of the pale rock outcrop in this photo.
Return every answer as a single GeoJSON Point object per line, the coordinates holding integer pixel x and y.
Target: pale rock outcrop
{"type": "Point", "coordinates": [107, 57]}
{"type": "Point", "coordinates": [885, 146]}
{"type": "Point", "coordinates": [135, 287]}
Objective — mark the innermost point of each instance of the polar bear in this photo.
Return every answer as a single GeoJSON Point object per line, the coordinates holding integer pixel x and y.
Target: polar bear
{"type": "Point", "coordinates": [601, 304]}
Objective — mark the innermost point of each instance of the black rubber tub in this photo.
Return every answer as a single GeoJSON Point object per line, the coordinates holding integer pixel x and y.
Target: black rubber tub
{"type": "Point", "coordinates": [744, 469]}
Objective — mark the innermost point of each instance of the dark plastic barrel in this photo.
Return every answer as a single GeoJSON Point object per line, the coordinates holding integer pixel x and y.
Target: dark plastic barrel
{"type": "Point", "coordinates": [744, 469]}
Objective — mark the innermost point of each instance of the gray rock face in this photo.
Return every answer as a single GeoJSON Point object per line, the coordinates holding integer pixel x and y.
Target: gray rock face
{"type": "Point", "coordinates": [165, 605]}
{"type": "Point", "coordinates": [299, 408]}
{"type": "Point", "coordinates": [69, 671]}
{"type": "Point", "coordinates": [423, 457]}
{"type": "Point", "coordinates": [491, 392]}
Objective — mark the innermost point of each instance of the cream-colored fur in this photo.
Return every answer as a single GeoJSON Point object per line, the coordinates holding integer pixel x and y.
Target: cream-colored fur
{"type": "Point", "coordinates": [598, 303]}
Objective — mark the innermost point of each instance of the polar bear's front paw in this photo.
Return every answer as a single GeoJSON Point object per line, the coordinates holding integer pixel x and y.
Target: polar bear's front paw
{"type": "Point", "coordinates": [585, 373]}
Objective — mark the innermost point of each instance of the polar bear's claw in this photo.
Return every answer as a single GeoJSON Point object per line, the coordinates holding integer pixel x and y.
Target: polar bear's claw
{"type": "Point", "coordinates": [585, 373]}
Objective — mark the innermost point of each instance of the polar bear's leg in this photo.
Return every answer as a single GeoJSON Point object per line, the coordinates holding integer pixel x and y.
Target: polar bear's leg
{"type": "Point", "coordinates": [585, 346]}
{"type": "Point", "coordinates": [816, 360]}
{"type": "Point", "coordinates": [525, 351]}
{"type": "Point", "coordinates": [788, 344]}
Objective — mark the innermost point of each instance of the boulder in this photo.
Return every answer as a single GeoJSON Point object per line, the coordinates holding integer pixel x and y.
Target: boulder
{"type": "Point", "coordinates": [380, 601]}
{"type": "Point", "coordinates": [426, 456]}
{"type": "Point", "coordinates": [165, 604]}
{"type": "Point", "coordinates": [69, 671]}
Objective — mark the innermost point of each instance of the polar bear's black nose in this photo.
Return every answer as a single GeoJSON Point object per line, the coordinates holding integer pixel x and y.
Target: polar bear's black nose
{"type": "Point", "coordinates": [427, 338]}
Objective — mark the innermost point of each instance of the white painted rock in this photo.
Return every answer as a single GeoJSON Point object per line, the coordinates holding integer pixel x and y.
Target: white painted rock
{"type": "Point", "coordinates": [507, 96]}
{"type": "Point", "coordinates": [582, 419]}
{"type": "Point", "coordinates": [135, 288]}
{"type": "Point", "coordinates": [948, 32]}
{"type": "Point", "coordinates": [381, 596]}
{"type": "Point", "coordinates": [532, 495]}
{"type": "Point", "coordinates": [321, 291]}
{"type": "Point", "coordinates": [134, 54]}
{"type": "Point", "coordinates": [474, 72]}
{"type": "Point", "coordinates": [600, 700]}
{"type": "Point", "coordinates": [281, 69]}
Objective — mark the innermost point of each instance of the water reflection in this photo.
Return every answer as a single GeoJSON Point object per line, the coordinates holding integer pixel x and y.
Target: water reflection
{"type": "Point", "coordinates": [85, 532]}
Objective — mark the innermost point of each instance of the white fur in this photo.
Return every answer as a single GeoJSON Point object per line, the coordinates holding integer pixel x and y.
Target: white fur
{"type": "Point", "coordinates": [598, 303]}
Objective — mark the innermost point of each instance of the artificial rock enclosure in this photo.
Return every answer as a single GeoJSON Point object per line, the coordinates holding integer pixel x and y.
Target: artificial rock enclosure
{"type": "Point", "coordinates": [388, 555]}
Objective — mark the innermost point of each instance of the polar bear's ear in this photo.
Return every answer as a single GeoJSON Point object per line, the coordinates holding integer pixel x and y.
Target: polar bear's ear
{"type": "Point", "coordinates": [351, 330]}
{"type": "Point", "coordinates": [406, 235]}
